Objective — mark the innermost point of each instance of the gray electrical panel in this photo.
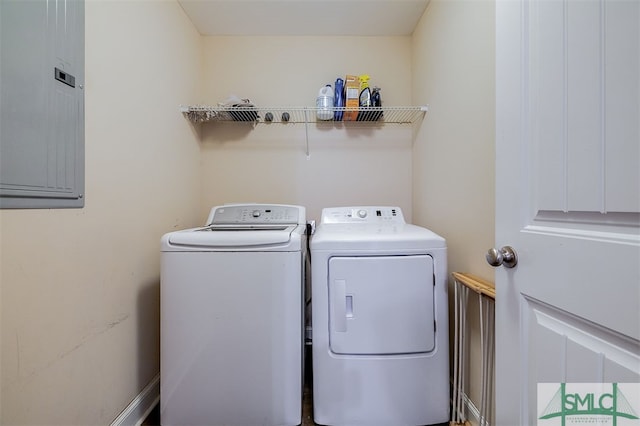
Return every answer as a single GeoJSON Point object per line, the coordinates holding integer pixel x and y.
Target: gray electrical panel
{"type": "Point", "coordinates": [41, 103]}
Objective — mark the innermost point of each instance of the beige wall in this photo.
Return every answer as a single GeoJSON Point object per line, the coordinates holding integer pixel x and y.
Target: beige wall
{"type": "Point", "coordinates": [80, 288]}
{"type": "Point", "coordinates": [453, 158]}
{"type": "Point", "coordinates": [347, 165]}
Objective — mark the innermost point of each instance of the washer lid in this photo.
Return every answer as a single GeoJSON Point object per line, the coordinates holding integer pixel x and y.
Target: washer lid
{"type": "Point", "coordinates": [233, 236]}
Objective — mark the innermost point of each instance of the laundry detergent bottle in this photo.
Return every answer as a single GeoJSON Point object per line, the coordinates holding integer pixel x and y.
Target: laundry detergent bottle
{"type": "Point", "coordinates": [324, 103]}
{"type": "Point", "coordinates": [338, 100]}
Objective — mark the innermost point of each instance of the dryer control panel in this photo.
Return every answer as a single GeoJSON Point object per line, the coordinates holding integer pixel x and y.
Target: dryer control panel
{"type": "Point", "coordinates": [363, 214]}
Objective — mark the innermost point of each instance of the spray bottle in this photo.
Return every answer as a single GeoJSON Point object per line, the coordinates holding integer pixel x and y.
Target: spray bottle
{"type": "Point", "coordinates": [365, 92]}
{"type": "Point", "coordinates": [365, 98]}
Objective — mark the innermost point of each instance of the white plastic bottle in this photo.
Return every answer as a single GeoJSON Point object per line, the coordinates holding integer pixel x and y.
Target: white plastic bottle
{"type": "Point", "coordinates": [324, 103]}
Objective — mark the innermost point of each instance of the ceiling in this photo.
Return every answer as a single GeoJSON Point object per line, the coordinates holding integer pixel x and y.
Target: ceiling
{"type": "Point", "coordinates": [305, 17]}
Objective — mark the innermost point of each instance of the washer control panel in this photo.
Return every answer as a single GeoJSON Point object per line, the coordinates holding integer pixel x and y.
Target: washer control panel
{"type": "Point", "coordinates": [362, 214]}
{"type": "Point", "coordinates": [240, 214]}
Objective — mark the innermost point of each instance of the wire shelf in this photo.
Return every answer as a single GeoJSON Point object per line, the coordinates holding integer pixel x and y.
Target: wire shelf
{"type": "Point", "coordinates": [285, 115]}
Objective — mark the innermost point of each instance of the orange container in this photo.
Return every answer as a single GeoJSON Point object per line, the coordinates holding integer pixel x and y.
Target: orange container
{"type": "Point", "coordinates": [352, 97]}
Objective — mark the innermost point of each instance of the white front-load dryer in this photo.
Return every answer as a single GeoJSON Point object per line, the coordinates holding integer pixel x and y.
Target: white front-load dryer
{"type": "Point", "coordinates": [232, 318]}
{"type": "Point", "coordinates": [379, 319]}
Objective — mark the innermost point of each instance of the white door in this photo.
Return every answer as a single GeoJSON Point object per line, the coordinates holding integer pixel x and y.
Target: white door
{"type": "Point", "coordinates": [567, 200]}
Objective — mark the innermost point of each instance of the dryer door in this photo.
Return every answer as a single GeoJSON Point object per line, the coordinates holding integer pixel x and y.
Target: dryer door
{"type": "Point", "coordinates": [381, 305]}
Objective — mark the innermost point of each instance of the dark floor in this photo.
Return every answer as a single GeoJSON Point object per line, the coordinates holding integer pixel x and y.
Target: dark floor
{"type": "Point", "coordinates": [153, 419]}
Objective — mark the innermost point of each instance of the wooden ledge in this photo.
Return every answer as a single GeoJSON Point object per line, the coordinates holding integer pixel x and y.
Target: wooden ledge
{"type": "Point", "coordinates": [477, 284]}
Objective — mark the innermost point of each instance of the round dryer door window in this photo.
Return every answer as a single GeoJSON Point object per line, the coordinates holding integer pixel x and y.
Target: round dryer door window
{"type": "Point", "coordinates": [381, 305]}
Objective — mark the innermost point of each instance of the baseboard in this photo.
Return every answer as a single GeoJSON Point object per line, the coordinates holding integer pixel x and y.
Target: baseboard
{"type": "Point", "coordinates": [140, 407]}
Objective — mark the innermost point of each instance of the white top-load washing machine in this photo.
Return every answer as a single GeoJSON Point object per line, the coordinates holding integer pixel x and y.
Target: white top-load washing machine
{"type": "Point", "coordinates": [232, 318]}
{"type": "Point", "coordinates": [379, 318]}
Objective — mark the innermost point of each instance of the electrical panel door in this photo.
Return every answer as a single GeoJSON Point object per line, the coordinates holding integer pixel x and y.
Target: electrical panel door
{"type": "Point", "coordinates": [42, 103]}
